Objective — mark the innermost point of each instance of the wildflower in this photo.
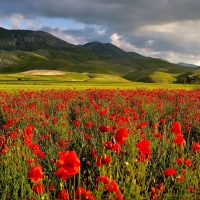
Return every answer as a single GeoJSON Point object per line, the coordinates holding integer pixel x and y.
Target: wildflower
{"type": "Point", "coordinates": [104, 179]}
{"type": "Point", "coordinates": [88, 124]}
{"type": "Point", "coordinates": [69, 164]}
{"type": "Point", "coordinates": [176, 128]}
{"type": "Point", "coordinates": [187, 162]}
{"type": "Point", "coordinates": [104, 129]}
{"type": "Point", "coordinates": [169, 172]}
{"type": "Point", "coordinates": [121, 136]}
{"type": "Point", "coordinates": [81, 193]}
{"type": "Point", "coordinates": [63, 195]}
{"type": "Point", "coordinates": [179, 140]}
{"type": "Point", "coordinates": [180, 161]}
{"type": "Point", "coordinates": [143, 150]}
{"type": "Point", "coordinates": [35, 173]}
{"type": "Point", "coordinates": [101, 160]}
{"type": "Point", "coordinates": [38, 188]}
{"type": "Point", "coordinates": [180, 178]}
{"type": "Point", "coordinates": [196, 147]}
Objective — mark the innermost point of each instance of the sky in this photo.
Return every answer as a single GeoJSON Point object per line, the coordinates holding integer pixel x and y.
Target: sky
{"type": "Point", "coordinates": [167, 29]}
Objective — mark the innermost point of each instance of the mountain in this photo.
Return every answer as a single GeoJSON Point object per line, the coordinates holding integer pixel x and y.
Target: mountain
{"type": "Point", "coordinates": [27, 40]}
{"type": "Point", "coordinates": [186, 64]}
{"type": "Point", "coordinates": [25, 50]}
{"type": "Point", "coordinates": [110, 50]}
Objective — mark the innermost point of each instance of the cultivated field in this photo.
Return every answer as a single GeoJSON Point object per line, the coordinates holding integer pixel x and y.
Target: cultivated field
{"type": "Point", "coordinates": [99, 143]}
{"type": "Point", "coordinates": [14, 85]}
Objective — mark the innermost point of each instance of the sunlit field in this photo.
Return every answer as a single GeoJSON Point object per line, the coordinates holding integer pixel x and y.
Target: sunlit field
{"type": "Point", "coordinates": [43, 85]}
{"type": "Point", "coordinates": [109, 144]}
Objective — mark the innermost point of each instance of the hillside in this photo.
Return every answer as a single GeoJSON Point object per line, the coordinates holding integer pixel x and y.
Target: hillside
{"type": "Point", "coordinates": [25, 50]}
{"type": "Point", "coordinates": [188, 65]}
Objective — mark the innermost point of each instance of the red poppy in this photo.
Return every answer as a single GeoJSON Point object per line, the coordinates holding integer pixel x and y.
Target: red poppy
{"type": "Point", "coordinates": [180, 178]}
{"type": "Point", "coordinates": [103, 179]}
{"type": "Point", "coordinates": [180, 161]}
{"type": "Point", "coordinates": [169, 172]}
{"type": "Point", "coordinates": [38, 188]}
{"type": "Point", "coordinates": [187, 162]}
{"type": "Point", "coordinates": [179, 140]}
{"type": "Point", "coordinates": [121, 136]}
{"type": "Point", "coordinates": [76, 123]}
{"type": "Point", "coordinates": [112, 187]}
{"type": "Point", "coordinates": [143, 150]}
{"type": "Point", "coordinates": [63, 195]}
{"type": "Point", "coordinates": [103, 112]}
{"type": "Point", "coordinates": [54, 120]}
{"type": "Point", "coordinates": [158, 135]}
{"type": "Point", "coordinates": [196, 147]}
{"type": "Point", "coordinates": [176, 128]}
{"type": "Point", "coordinates": [89, 124]}
{"type": "Point", "coordinates": [104, 129]}
{"type": "Point", "coordinates": [81, 193]}
{"type": "Point", "coordinates": [69, 163]}
{"type": "Point", "coordinates": [35, 173]}
{"type": "Point", "coordinates": [51, 187]}
{"type": "Point", "coordinates": [101, 160]}
{"type": "Point", "coordinates": [87, 136]}
{"type": "Point", "coordinates": [93, 153]}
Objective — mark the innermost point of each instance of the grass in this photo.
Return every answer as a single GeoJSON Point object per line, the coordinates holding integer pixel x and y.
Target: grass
{"type": "Point", "coordinates": [117, 144]}
{"type": "Point", "coordinates": [14, 85]}
{"type": "Point", "coordinates": [80, 61]}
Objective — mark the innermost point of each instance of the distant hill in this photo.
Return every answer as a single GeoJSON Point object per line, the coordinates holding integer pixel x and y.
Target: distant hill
{"type": "Point", "coordinates": [110, 50]}
{"type": "Point", "coordinates": [187, 65]}
{"type": "Point", "coordinates": [25, 50]}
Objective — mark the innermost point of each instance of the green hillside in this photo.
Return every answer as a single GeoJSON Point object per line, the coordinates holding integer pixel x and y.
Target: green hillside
{"type": "Point", "coordinates": [17, 61]}
{"type": "Point", "coordinates": [24, 50]}
{"type": "Point", "coordinates": [131, 69]}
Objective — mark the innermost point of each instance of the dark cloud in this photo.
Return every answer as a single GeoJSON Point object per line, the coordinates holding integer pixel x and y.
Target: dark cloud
{"type": "Point", "coordinates": [87, 34]}
{"type": "Point", "coordinates": [159, 25]}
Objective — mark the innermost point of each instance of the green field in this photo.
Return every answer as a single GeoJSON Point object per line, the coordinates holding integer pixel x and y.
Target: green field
{"type": "Point", "coordinates": [44, 85]}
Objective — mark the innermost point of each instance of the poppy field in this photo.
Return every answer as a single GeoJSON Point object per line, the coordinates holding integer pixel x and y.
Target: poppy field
{"type": "Point", "coordinates": [109, 144]}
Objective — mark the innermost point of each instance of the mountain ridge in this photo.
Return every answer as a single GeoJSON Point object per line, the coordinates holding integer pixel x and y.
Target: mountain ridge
{"type": "Point", "coordinates": [110, 50]}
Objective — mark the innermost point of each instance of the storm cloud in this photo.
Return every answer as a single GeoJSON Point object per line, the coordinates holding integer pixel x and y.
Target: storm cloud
{"type": "Point", "coordinates": [160, 28]}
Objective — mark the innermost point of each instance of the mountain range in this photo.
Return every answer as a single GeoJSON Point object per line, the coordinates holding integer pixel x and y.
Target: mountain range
{"type": "Point", "coordinates": [25, 50]}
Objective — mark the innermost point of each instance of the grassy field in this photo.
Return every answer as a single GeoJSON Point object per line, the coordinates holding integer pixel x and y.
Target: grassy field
{"type": "Point", "coordinates": [44, 85]}
{"type": "Point", "coordinates": [80, 64]}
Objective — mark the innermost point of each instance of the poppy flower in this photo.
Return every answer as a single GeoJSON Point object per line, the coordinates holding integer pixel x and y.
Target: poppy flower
{"type": "Point", "coordinates": [143, 150]}
{"type": "Point", "coordinates": [81, 193]}
{"type": "Point", "coordinates": [121, 136]}
{"type": "Point", "coordinates": [179, 140]}
{"type": "Point", "coordinates": [35, 173]}
{"type": "Point", "coordinates": [112, 187]}
{"type": "Point", "coordinates": [89, 124]}
{"type": "Point", "coordinates": [51, 187]}
{"type": "Point", "coordinates": [180, 161]}
{"type": "Point", "coordinates": [180, 178]}
{"type": "Point", "coordinates": [187, 162]}
{"type": "Point", "coordinates": [104, 179]}
{"type": "Point", "coordinates": [38, 188]}
{"type": "Point", "coordinates": [76, 123]}
{"type": "Point", "coordinates": [101, 160]}
{"type": "Point", "coordinates": [104, 129]}
{"type": "Point", "coordinates": [176, 128]}
{"type": "Point", "coordinates": [69, 164]}
{"type": "Point", "coordinates": [63, 195]}
{"type": "Point", "coordinates": [196, 147]}
{"type": "Point", "coordinates": [169, 172]}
